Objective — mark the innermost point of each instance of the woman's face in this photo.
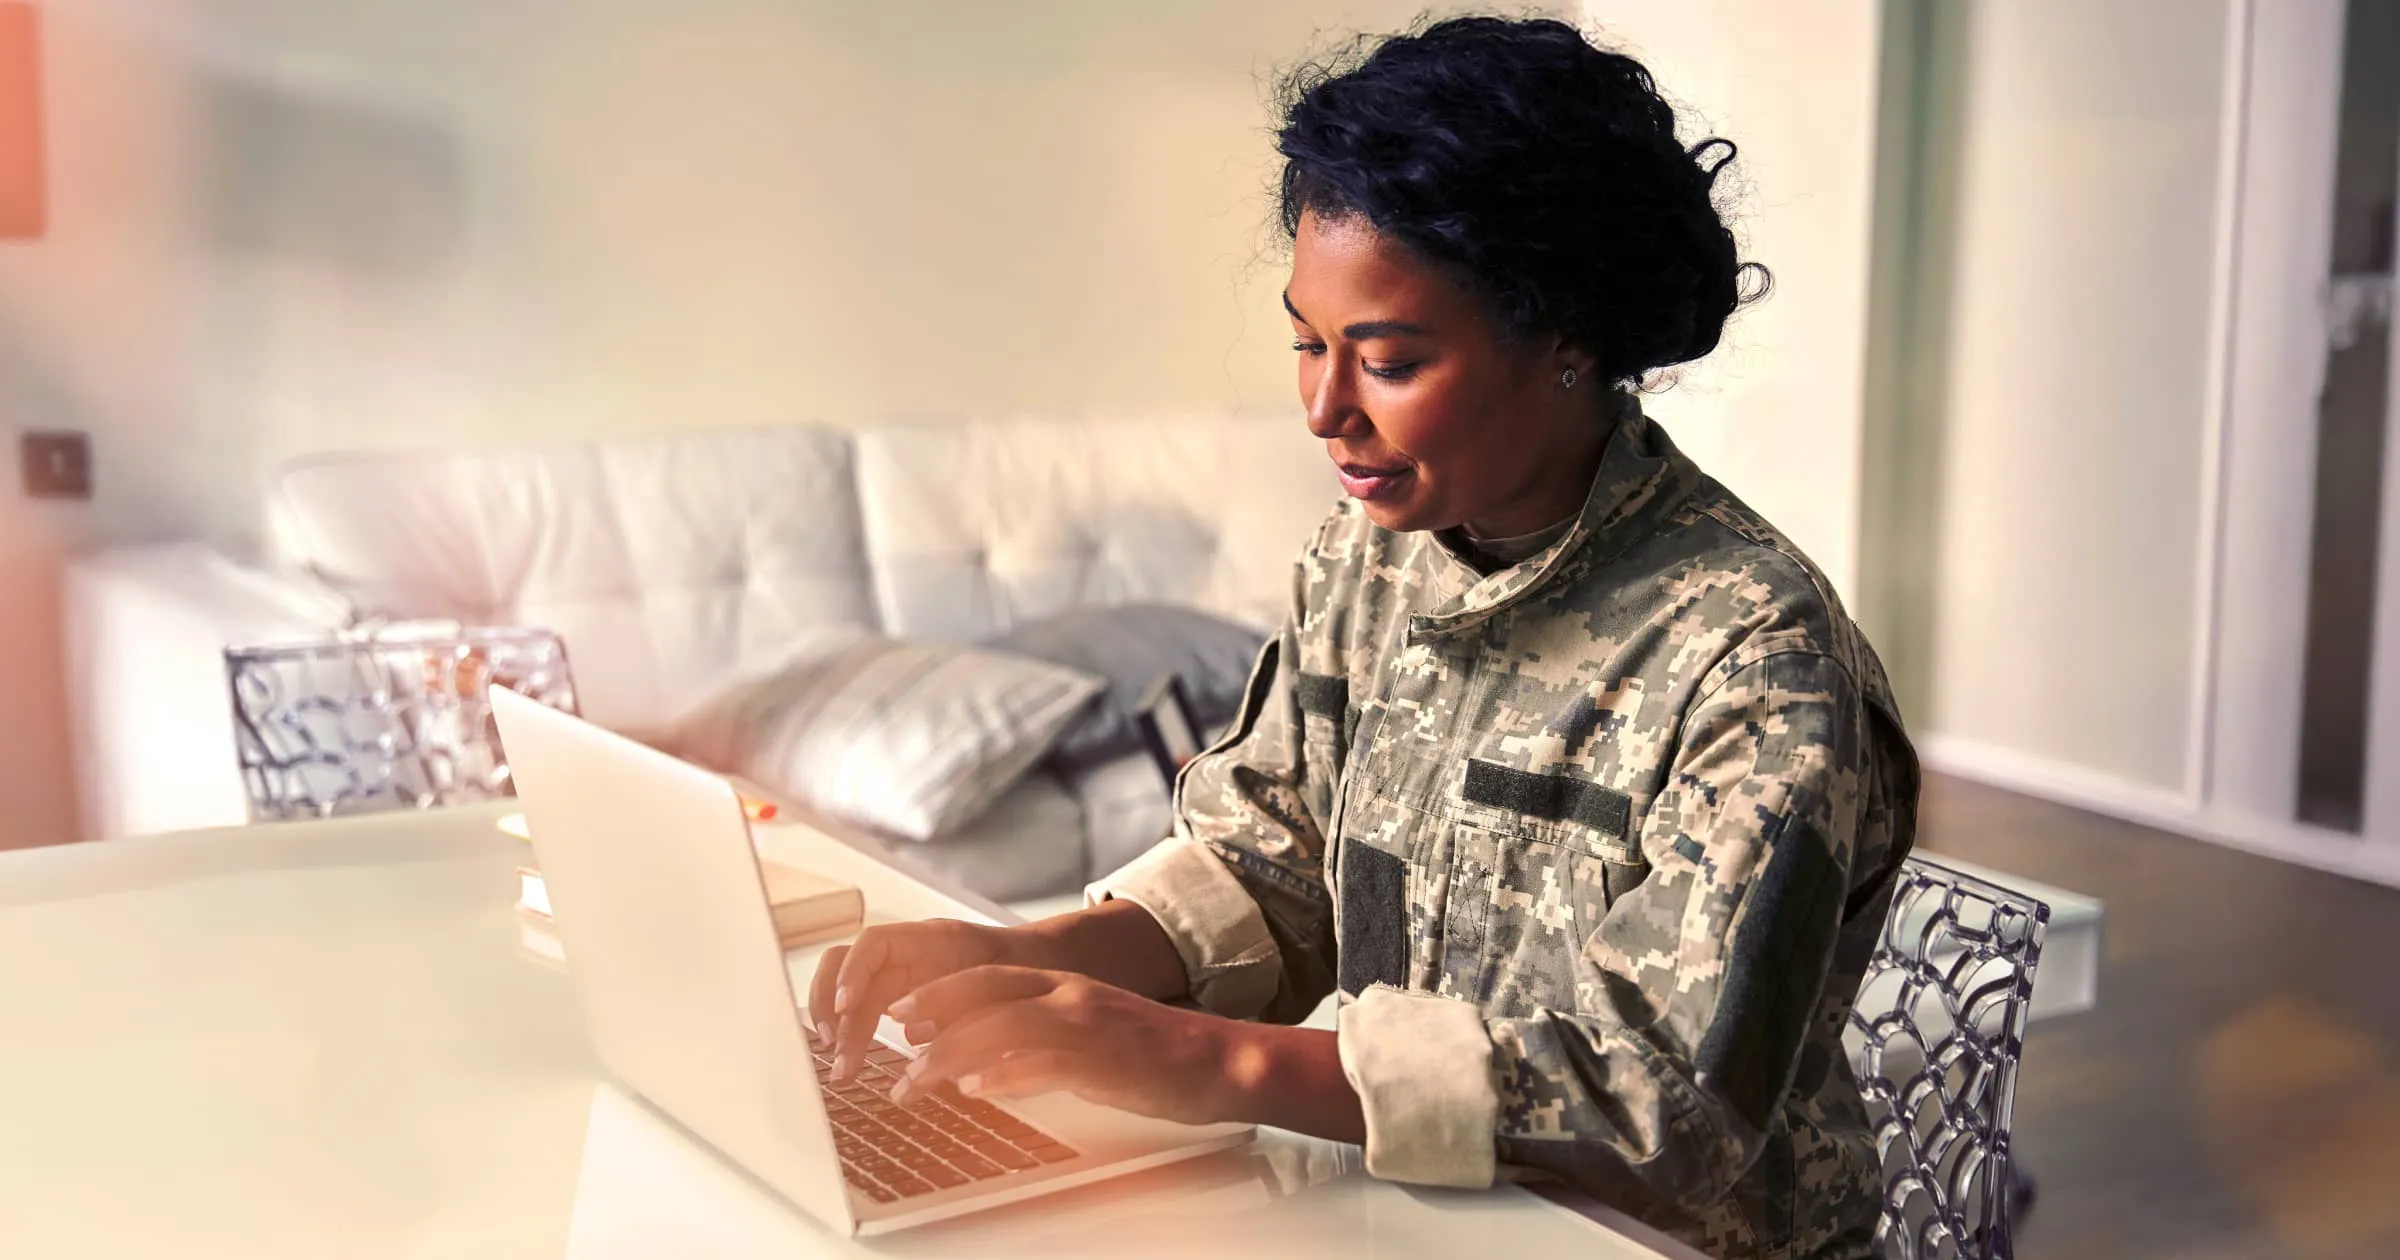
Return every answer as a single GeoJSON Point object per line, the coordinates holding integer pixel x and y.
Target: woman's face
{"type": "Point", "coordinates": [1431, 419]}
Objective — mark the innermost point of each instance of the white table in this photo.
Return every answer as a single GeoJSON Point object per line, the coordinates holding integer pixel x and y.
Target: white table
{"type": "Point", "coordinates": [322, 1039]}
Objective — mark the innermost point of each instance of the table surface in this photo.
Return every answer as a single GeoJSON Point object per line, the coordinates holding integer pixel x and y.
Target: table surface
{"type": "Point", "coordinates": [322, 1039]}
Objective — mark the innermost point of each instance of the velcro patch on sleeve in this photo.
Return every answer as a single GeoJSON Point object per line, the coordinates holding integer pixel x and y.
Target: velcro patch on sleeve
{"type": "Point", "coordinates": [1374, 944]}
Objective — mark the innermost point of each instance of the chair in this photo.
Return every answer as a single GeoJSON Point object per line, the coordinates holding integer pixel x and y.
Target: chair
{"type": "Point", "coordinates": [1935, 1037]}
{"type": "Point", "coordinates": [387, 718]}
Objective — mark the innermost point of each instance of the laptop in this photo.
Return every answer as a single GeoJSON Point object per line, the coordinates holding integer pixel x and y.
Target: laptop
{"type": "Point", "coordinates": [655, 888]}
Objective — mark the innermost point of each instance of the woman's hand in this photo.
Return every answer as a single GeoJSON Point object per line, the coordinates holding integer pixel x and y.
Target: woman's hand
{"type": "Point", "coordinates": [856, 982]}
{"type": "Point", "coordinates": [1001, 1031]}
{"type": "Point", "coordinates": [1116, 942]}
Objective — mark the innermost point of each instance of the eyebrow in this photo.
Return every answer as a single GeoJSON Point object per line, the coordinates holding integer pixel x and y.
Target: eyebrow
{"type": "Point", "coordinates": [1367, 330]}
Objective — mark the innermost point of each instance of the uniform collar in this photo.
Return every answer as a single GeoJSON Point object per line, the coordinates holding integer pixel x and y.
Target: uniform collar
{"type": "Point", "coordinates": [1641, 478]}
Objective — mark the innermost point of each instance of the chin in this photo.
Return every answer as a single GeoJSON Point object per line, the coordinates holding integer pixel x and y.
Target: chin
{"type": "Point", "coordinates": [1400, 518]}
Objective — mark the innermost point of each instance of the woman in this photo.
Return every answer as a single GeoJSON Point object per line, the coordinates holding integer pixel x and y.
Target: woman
{"type": "Point", "coordinates": [1567, 771]}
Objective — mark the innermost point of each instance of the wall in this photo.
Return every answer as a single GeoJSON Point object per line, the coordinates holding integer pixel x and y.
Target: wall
{"type": "Point", "coordinates": [2096, 349]}
{"type": "Point", "coordinates": [2064, 296]}
{"type": "Point", "coordinates": [36, 778]}
{"type": "Point", "coordinates": [1979, 393]}
{"type": "Point", "coordinates": [282, 226]}
{"type": "Point", "coordinates": [288, 225]}
{"type": "Point", "coordinates": [1777, 412]}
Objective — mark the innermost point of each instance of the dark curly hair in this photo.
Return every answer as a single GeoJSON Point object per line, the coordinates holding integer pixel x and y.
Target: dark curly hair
{"type": "Point", "coordinates": [1540, 171]}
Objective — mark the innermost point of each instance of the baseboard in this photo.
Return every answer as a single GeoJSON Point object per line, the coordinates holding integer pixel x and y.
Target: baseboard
{"type": "Point", "coordinates": [2161, 808]}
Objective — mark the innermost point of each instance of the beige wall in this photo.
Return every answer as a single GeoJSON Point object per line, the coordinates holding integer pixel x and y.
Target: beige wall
{"type": "Point", "coordinates": [290, 225]}
{"type": "Point", "coordinates": [282, 226]}
{"type": "Point", "coordinates": [1776, 412]}
{"type": "Point", "coordinates": [37, 789]}
{"type": "Point", "coordinates": [2064, 297]}
{"type": "Point", "coordinates": [1996, 448]}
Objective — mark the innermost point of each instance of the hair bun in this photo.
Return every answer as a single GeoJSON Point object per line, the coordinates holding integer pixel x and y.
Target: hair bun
{"type": "Point", "coordinates": [1542, 170]}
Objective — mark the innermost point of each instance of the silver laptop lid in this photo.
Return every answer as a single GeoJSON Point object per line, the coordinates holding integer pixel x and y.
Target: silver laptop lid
{"type": "Point", "coordinates": [656, 890]}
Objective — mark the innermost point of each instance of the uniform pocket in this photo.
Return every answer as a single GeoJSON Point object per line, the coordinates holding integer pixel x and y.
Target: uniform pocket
{"type": "Point", "coordinates": [1555, 856]}
{"type": "Point", "coordinates": [1601, 814]}
{"type": "Point", "coordinates": [1575, 814]}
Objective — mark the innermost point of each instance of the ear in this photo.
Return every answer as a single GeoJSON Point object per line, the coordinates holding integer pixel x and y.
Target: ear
{"type": "Point", "coordinates": [1564, 354]}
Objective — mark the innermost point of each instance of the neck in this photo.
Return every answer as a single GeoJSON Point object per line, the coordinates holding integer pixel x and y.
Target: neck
{"type": "Point", "coordinates": [1556, 487]}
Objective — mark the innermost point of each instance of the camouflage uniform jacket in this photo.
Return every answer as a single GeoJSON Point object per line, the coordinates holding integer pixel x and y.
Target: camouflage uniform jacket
{"type": "Point", "coordinates": [1598, 844]}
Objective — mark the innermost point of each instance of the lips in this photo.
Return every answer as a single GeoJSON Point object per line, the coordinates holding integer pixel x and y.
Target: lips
{"type": "Point", "coordinates": [1369, 482]}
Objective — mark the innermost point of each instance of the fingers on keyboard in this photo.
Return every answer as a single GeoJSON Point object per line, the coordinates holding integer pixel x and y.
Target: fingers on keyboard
{"type": "Point", "coordinates": [941, 1141]}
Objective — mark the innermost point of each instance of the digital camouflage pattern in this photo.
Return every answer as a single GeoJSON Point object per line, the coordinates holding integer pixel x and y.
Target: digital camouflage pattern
{"type": "Point", "coordinates": [1641, 798]}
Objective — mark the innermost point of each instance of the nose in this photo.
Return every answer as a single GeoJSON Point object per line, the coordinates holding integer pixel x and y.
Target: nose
{"type": "Point", "coordinates": [1333, 409]}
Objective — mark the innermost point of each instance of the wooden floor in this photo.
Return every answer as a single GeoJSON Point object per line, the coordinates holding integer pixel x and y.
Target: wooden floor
{"type": "Point", "coordinates": [2237, 1092]}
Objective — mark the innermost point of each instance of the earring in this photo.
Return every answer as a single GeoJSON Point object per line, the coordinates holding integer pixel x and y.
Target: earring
{"type": "Point", "coordinates": [1566, 379]}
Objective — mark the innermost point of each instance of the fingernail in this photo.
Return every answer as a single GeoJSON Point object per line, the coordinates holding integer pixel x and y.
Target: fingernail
{"type": "Point", "coordinates": [901, 1089]}
{"type": "Point", "coordinates": [904, 1009]}
{"type": "Point", "coordinates": [841, 998]}
{"type": "Point", "coordinates": [971, 1084]}
{"type": "Point", "coordinates": [844, 1067]}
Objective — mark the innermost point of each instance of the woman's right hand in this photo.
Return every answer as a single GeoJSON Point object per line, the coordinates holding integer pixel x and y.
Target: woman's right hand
{"type": "Point", "coordinates": [889, 961]}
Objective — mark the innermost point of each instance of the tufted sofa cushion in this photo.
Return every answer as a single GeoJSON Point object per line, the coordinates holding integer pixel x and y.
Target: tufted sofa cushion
{"type": "Point", "coordinates": [673, 564]}
{"type": "Point", "coordinates": [668, 565]}
{"type": "Point", "coordinates": [972, 528]}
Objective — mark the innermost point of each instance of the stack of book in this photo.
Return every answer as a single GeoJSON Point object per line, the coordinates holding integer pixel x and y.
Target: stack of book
{"type": "Point", "coordinates": [808, 908]}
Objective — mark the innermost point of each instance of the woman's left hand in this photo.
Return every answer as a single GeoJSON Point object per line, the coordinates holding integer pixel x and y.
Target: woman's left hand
{"type": "Point", "coordinates": [999, 1031]}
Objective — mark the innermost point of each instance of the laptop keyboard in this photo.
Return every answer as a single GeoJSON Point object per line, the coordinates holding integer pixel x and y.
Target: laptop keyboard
{"type": "Point", "coordinates": [940, 1141]}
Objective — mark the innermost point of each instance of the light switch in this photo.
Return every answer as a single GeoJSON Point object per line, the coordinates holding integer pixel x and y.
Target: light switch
{"type": "Point", "coordinates": [57, 465]}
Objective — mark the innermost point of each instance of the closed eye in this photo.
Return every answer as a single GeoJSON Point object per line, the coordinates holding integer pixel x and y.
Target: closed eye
{"type": "Point", "coordinates": [1380, 371]}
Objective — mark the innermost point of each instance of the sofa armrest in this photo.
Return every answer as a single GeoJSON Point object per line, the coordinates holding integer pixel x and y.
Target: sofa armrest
{"type": "Point", "coordinates": [147, 628]}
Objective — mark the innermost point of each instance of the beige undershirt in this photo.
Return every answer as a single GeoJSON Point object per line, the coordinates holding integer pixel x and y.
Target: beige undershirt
{"type": "Point", "coordinates": [1490, 555]}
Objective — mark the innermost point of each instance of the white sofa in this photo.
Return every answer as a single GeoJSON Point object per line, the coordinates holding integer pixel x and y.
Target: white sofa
{"type": "Point", "coordinates": [673, 564]}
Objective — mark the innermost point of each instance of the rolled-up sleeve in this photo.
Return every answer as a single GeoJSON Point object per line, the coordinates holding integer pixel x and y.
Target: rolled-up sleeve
{"type": "Point", "coordinates": [1240, 886]}
{"type": "Point", "coordinates": [1421, 1064]}
{"type": "Point", "coordinates": [1229, 960]}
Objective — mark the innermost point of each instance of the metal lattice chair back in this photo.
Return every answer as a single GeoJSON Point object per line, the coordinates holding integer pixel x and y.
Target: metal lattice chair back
{"type": "Point", "coordinates": [386, 720]}
{"type": "Point", "coordinates": [1936, 1036]}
